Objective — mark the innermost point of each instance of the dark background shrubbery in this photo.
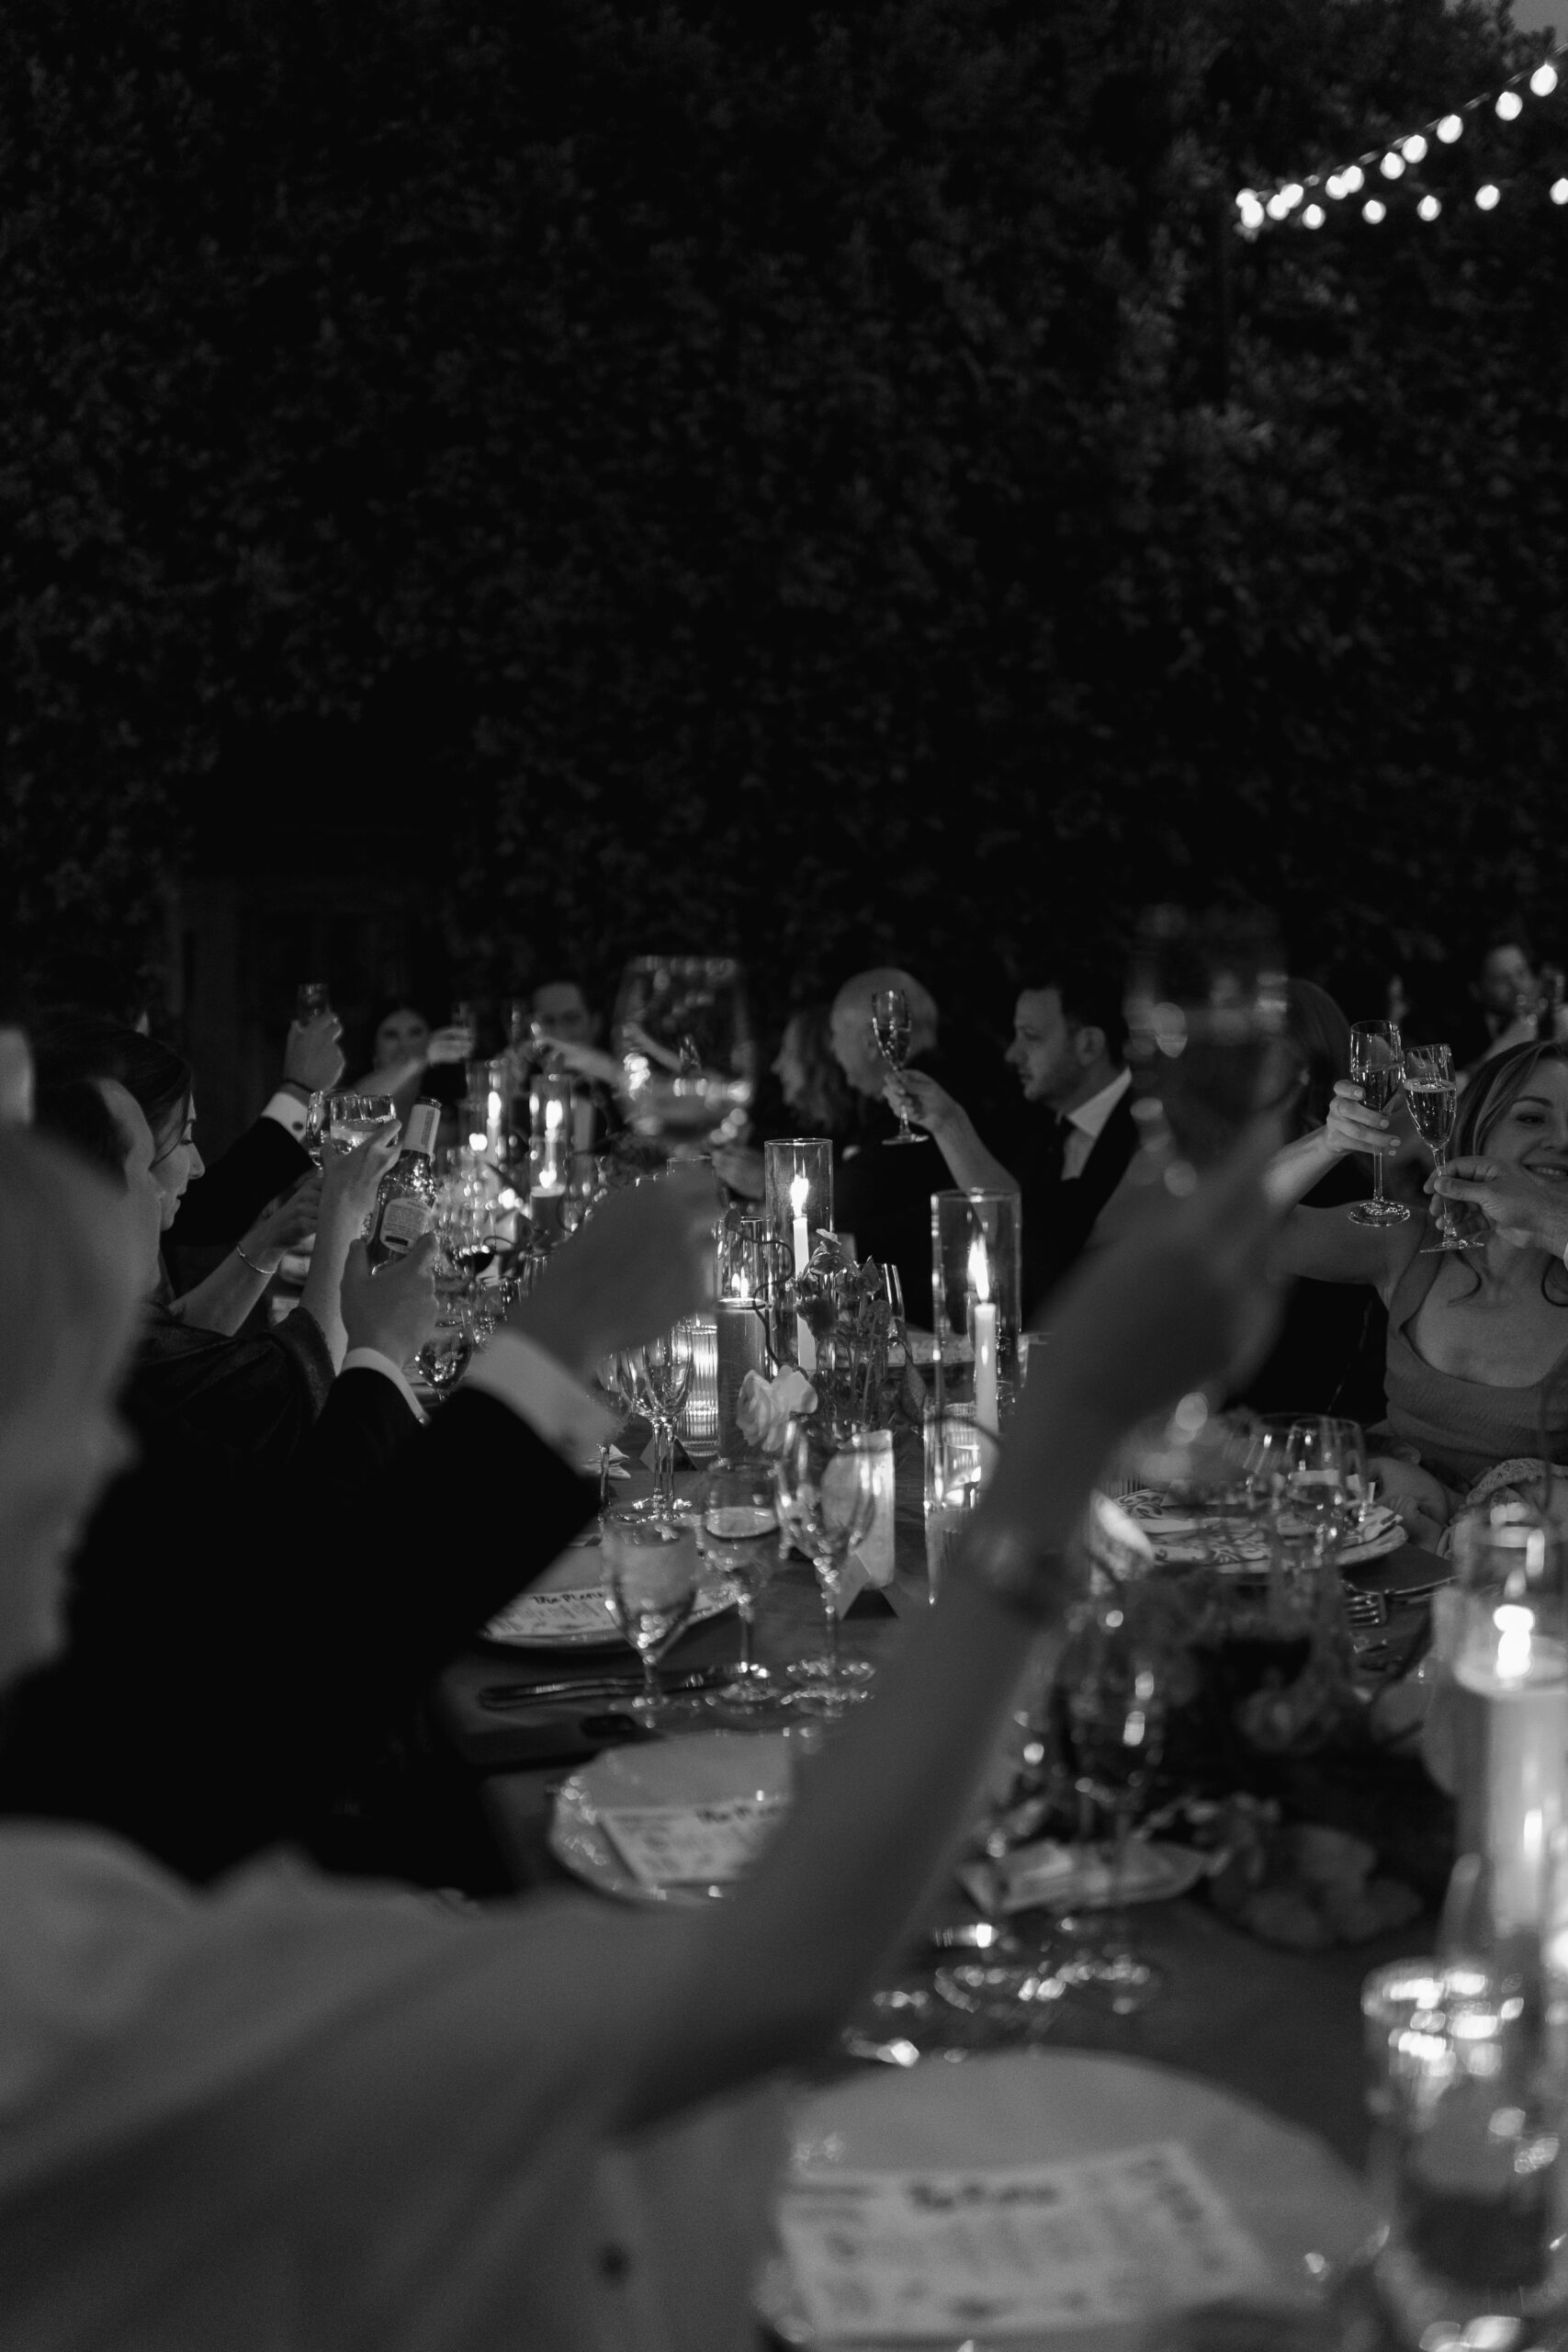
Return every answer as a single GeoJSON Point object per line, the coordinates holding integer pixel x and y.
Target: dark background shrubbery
{"type": "Point", "coordinates": [819, 483]}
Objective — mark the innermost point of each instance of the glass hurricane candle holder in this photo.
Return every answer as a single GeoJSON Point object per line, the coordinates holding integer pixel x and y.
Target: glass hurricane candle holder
{"type": "Point", "coordinates": [798, 1173]}
{"type": "Point", "coordinates": [549, 1130]}
{"type": "Point", "coordinates": [977, 1284]}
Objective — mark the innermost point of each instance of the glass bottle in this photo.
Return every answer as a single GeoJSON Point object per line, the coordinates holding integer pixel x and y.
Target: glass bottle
{"type": "Point", "coordinates": [405, 1206]}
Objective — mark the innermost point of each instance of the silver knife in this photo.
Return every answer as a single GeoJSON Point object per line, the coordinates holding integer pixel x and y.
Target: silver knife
{"type": "Point", "coordinates": [504, 1695]}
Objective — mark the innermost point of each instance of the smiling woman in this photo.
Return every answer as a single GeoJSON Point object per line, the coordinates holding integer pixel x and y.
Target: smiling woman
{"type": "Point", "coordinates": [1477, 1366]}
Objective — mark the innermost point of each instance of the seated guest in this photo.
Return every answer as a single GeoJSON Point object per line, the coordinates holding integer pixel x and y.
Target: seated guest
{"type": "Point", "coordinates": [1068, 1035]}
{"type": "Point", "coordinates": [563, 1010]}
{"type": "Point", "coordinates": [269, 1159]}
{"type": "Point", "coordinates": [256, 1395]}
{"type": "Point", "coordinates": [404, 1050]}
{"type": "Point", "coordinates": [882, 1194]}
{"type": "Point", "coordinates": [815, 1096]}
{"type": "Point", "coordinates": [1477, 1339]}
{"type": "Point", "coordinates": [1508, 1000]}
{"type": "Point", "coordinates": [295, 2112]}
{"type": "Point", "coordinates": [568, 1038]}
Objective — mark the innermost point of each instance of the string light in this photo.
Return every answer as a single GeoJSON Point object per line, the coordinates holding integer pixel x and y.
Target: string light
{"type": "Point", "coordinates": [1258, 208]}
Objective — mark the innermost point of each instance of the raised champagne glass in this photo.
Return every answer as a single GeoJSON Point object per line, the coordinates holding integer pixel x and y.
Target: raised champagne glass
{"type": "Point", "coordinates": [1377, 1065]}
{"type": "Point", "coordinates": [1432, 1097]}
{"type": "Point", "coordinates": [891, 1027]}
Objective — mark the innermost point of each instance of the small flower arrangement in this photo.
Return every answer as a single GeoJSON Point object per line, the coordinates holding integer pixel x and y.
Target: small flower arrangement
{"type": "Point", "coordinates": [765, 1409]}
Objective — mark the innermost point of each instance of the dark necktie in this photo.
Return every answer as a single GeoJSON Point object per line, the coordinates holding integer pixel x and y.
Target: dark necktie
{"type": "Point", "coordinates": [1053, 1150]}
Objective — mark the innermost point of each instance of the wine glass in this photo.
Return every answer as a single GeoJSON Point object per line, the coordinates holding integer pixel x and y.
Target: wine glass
{"type": "Point", "coordinates": [1112, 1676]}
{"type": "Point", "coordinates": [650, 1570]}
{"type": "Point", "coordinates": [741, 1534]}
{"type": "Point", "coordinates": [615, 1390]}
{"type": "Point", "coordinates": [447, 1354]}
{"type": "Point", "coordinates": [890, 1026]}
{"type": "Point", "coordinates": [1432, 1095]}
{"type": "Point", "coordinates": [463, 1224]}
{"type": "Point", "coordinates": [351, 1119]}
{"type": "Point", "coordinates": [1205, 1009]}
{"type": "Point", "coordinates": [1377, 1065]}
{"type": "Point", "coordinates": [663, 1370]}
{"type": "Point", "coordinates": [826, 1497]}
{"type": "Point", "coordinates": [683, 1035]}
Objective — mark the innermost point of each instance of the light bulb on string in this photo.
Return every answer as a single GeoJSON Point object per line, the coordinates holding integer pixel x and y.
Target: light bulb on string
{"type": "Point", "coordinates": [1560, 191]}
{"type": "Point", "coordinates": [1375, 210]}
{"type": "Point", "coordinates": [1250, 210]}
{"type": "Point", "coordinates": [1352, 178]}
{"type": "Point", "coordinates": [1487, 195]}
{"type": "Point", "coordinates": [1429, 207]}
{"type": "Point", "coordinates": [1277, 209]}
{"type": "Point", "coordinates": [1313, 217]}
{"type": "Point", "coordinates": [1414, 149]}
{"type": "Point", "coordinates": [1544, 81]}
{"type": "Point", "coordinates": [1449, 128]}
{"type": "Point", "coordinates": [1335, 186]}
{"type": "Point", "coordinates": [1292, 194]}
{"type": "Point", "coordinates": [1392, 166]}
{"type": "Point", "coordinates": [1509, 104]}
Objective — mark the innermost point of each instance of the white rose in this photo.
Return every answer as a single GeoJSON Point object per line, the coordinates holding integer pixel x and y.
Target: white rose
{"type": "Point", "coordinates": [765, 1409]}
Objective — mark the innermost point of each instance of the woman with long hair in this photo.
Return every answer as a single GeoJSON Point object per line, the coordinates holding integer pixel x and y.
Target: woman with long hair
{"type": "Point", "coordinates": [1477, 1337]}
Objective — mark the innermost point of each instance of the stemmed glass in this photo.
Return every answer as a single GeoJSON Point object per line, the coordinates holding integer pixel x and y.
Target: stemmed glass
{"type": "Point", "coordinates": [1311, 1474]}
{"type": "Point", "coordinates": [447, 1354]}
{"type": "Point", "coordinates": [1113, 1679]}
{"type": "Point", "coordinates": [1433, 1096]}
{"type": "Point", "coordinates": [663, 1372]}
{"type": "Point", "coordinates": [650, 1569]}
{"type": "Point", "coordinates": [1377, 1065]}
{"type": "Point", "coordinates": [616, 1391]}
{"type": "Point", "coordinates": [741, 1534]}
{"type": "Point", "coordinates": [463, 1225]}
{"type": "Point", "coordinates": [890, 1026]}
{"type": "Point", "coordinates": [826, 1497]}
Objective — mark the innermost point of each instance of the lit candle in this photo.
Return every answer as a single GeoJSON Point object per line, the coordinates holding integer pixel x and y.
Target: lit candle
{"type": "Point", "coordinates": [549, 1168]}
{"type": "Point", "coordinates": [1518, 1680]}
{"type": "Point", "coordinates": [984, 1335]}
{"type": "Point", "coordinates": [799, 1193]}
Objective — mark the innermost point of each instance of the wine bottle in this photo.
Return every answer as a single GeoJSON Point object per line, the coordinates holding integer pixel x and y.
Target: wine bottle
{"type": "Point", "coordinates": [405, 1206]}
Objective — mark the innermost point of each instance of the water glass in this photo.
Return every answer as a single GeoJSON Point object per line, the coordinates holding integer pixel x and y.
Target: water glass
{"type": "Point", "coordinates": [740, 1535]}
{"type": "Point", "coordinates": [663, 1370]}
{"type": "Point", "coordinates": [827, 1500]}
{"type": "Point", "coordinates": [651, 1569]}
{"type": "Point", "coordinates": [1113, 1679]}
{"type": "Point", "coordinates": [352, 1119]}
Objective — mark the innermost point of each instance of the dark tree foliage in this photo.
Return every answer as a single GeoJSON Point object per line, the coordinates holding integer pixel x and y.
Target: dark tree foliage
{"type": "Point", "coordinates": [735, 476]}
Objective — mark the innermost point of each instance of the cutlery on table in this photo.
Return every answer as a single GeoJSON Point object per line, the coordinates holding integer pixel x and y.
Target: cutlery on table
{"type": "Point", "coordinates": [503, 1696]}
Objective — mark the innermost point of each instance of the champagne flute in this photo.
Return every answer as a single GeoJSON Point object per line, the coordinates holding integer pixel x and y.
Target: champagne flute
{"type": "Point", "coordinates": [890, 1025]}
{"type": "Point", "coordinates": [663, 1370]}
{"type": "Point", "coordinates": [651, 1568]}
{"type": "Point", "coordinates": [1377, 1065]}
{"type": "Point", "coordinates": [741, 1534]}
{"type": "Point", "coordinates": [827, 1496]}
{"type": "Point", "coordinates": [1433, 1096]}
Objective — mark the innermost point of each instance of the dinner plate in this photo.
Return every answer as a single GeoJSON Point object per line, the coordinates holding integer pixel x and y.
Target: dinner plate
{"type": "Point", "coordinates": [1298, 2210]}
{"type": "Point", "coordinates": [565, 1608]}
{"type": "Point", "coordinates": [675, 1820]}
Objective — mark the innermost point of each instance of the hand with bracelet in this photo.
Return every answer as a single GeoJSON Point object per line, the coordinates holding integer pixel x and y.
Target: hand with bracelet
{"type": "Point", "coordinates": [281, 1227]}
{"type": "Point", "coordinates": [1530, 1211]}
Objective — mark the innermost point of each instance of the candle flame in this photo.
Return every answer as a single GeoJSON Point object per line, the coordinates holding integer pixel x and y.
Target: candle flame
{"type": "Point", "coordinates": [800, 1193]}
{"type": "Point", "coordinates": [980, 1269]}
{"type": "Point", "coordinates": [1515, 1627]}
{"type": "Point", "coordinates": [555, 1112]}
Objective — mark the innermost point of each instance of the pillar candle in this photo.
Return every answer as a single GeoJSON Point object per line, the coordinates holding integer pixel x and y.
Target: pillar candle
{"type": "Point", "coordinates": [984, 1329]}
{"type": "Point", "coordinates": [805, 1346]}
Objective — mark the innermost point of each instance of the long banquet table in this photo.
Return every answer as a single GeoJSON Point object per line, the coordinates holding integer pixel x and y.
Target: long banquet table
{"type": "Point", "coordinates": [1279, 2026]}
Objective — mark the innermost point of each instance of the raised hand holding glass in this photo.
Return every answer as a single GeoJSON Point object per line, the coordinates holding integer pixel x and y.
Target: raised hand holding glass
{"type": "Point", "coordinates": [891, 1028]}
{"type": "Point", "coordinates": [1433, 1096]}
{"type": "Point", "coordinates": [1377, 1065]}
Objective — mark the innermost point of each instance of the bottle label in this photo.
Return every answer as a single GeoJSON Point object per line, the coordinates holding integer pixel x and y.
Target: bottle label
{"type": "Point", "coordinates": [403, 1222]}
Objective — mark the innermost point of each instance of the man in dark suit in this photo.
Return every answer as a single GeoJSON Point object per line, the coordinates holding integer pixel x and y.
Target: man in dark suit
{"type": "Point", "coordinates": [270, 1156]}
{"type": "Point", "coordinates": [1078, 1132]}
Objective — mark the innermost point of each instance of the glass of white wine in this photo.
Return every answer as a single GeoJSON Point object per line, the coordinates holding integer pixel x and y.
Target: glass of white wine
{"type": "Point", "coordinates": [891, 1028]}
{"type": "Point", "coordinates": [651, 1568]}
{"type": "Point", "coordinates": [352, 1119]}
{"type": "Point", "coordinates": [741, 1534]}
{"type": "Point", "coordinates": [1377, 1065]}
{"type": "Point", "coordinates": [1432, 1097]}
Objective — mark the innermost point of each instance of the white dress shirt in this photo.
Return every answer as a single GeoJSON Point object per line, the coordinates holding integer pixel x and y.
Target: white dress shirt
{"type": "Point", "coordinates": [289, 1112]}
{"type": "Point", "coordinates": [1087, 1124]}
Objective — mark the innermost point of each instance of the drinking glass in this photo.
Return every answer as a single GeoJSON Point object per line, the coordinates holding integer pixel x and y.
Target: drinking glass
{"type": "Point", "coordinates": [1308, 1474]}
{"type": "Point", "coordinates": [827, 1499]}
{"type": "Point", "coordinates": [351, 1119]}
{"type": "Point", "coordinates": [615, 1390]}
{"type": "Point", "coordinates": [311, 999]}
{"type": "Point", "coordinates": [650, 1569]}
{"type": "Point", "coordinates": [1113, 1678]}
{"type": "Point", "coordinates": [1377, 1065]}
{"type": "Point", "coordinates": [890, 1026]}
{"type": "Point", "coordinates": [1205, 1010]}
{"type": "Point", "coordinates": [447, 1354]}
{"type": "Point", "coordinates": [663, 1370]}
{"type": "Point", "coordinates": [741, 1533]}
{"type": "Point", "coordinates": [315, 1121]}
{"type": "Point", "coordinates": [463, 1222]}
{"type": "Point", "coordinates": [1430, 1091]}
{"type": "Point", "coordinates": [683, 1035]}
